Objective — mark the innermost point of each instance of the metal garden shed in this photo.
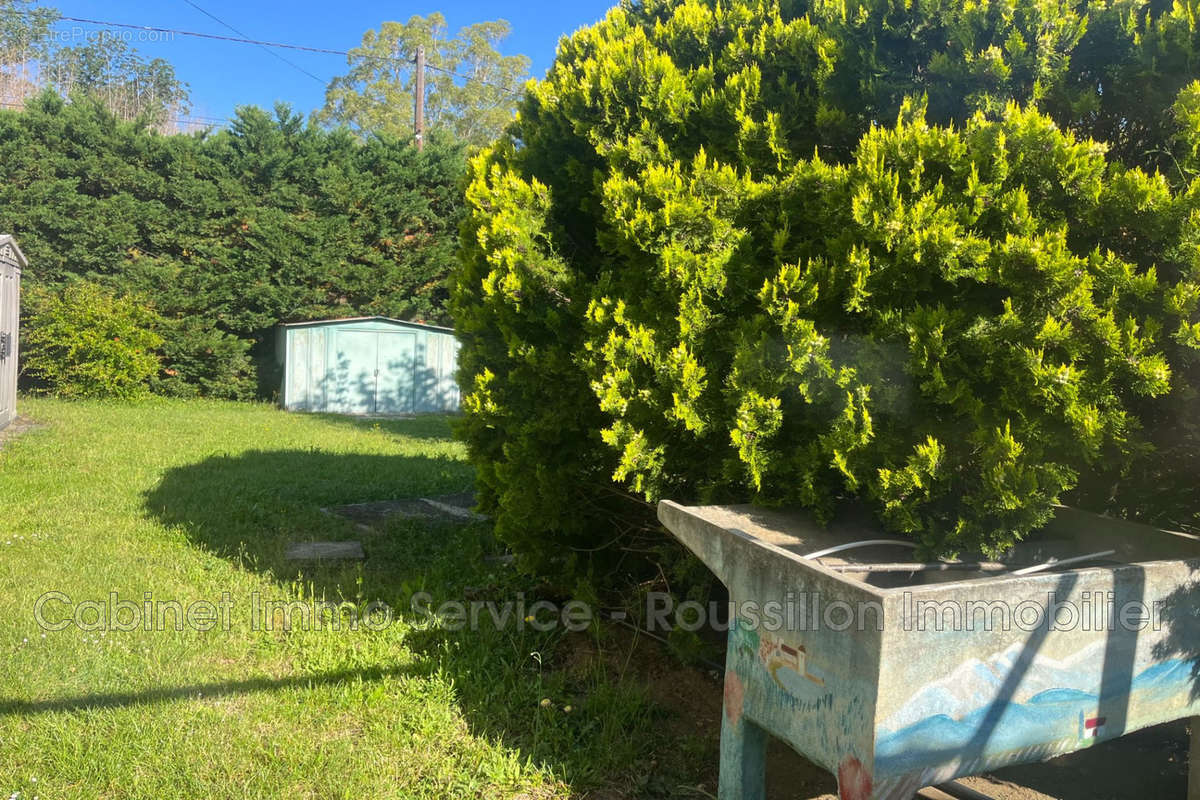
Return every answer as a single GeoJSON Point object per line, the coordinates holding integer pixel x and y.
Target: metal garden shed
{"type": "Point", "coordinates": [368, 365]}
{"type": "Point", "coordinates": [12, 261]}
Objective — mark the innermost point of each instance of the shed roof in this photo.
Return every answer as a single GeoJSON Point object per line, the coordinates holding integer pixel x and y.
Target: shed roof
{"type": "Point", "coordinates": [10, 253]}
{"type": "Point", "coordinates": [391, 320]}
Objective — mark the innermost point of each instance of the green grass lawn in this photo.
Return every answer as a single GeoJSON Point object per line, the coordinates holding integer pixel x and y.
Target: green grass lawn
{"type": "Point", "coordinates": [189, 501]}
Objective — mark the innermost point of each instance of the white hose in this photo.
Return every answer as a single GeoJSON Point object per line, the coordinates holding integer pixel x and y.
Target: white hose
{"type": "Point", "coordinates": [1054, 562]}
{"type": "Point", "coordinates": [865, 543]}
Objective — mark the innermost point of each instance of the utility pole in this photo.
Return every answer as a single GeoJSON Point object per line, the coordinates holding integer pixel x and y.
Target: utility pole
{"type": "Point", "coordinates": [419, 100]}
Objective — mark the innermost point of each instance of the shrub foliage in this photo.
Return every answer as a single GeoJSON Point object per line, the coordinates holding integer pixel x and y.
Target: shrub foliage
{"type": "Point", "coordinates": [84, 341]}
{"type": "Point", "coordinates": [701, 267]}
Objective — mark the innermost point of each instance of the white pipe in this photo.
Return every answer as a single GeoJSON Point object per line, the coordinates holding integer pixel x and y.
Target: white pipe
{"type": "Point", "coordinates": [865, 543]}
{"type": "Point", "coordinates": [1054, 562]}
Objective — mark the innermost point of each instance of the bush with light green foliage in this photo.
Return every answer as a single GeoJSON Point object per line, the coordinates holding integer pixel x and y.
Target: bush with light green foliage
{"type": "Point", "coordinates": [720, 257]}
{"type": "Point", "coordinates": [84, 341]}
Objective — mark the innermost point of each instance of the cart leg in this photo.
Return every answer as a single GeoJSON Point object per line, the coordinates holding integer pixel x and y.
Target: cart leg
{"type": "Point", "coordinates": [743, 760]}
{"type": "Point", "coordinates": [1194, 762]}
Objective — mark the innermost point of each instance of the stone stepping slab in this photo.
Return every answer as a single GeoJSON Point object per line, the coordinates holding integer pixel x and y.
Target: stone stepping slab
{"type": "Point", "coordinates": [325, 551]}
{"type": "Point", "coordinates": [453, 506]}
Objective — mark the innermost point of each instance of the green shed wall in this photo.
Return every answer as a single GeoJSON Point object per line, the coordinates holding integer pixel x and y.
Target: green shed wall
{"type": "Point", "coordinates": [373, 366]}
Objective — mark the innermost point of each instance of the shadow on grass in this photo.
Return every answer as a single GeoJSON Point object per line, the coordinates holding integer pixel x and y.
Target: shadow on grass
{"type": "Point", "coordinates": [208, 690]}
{"type": "Point", "coordinates": [512, 682]}
{"type": "Point", "coordinates": [251, 506]}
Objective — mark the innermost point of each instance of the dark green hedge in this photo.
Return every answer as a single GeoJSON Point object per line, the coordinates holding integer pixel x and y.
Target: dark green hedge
{"type": "Point", "coordinates": [228, 233]}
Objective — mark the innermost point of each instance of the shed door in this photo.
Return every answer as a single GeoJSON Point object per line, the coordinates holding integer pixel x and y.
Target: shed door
{"type": "Point", "coordinates": [397, 365]}
{"type": "Point", "coordinates": [374, 372]}
{"type": "Point", "coordinates": [298, 373]}
{"type": "Point", "coordinates": [355, 372]}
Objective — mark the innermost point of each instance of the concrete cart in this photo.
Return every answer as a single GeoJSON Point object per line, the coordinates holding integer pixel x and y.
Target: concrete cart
{"type": "Point", "coordinates": [896, 675]}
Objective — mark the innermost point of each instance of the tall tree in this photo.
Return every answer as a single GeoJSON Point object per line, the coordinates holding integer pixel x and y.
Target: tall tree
{"type": "Point", "coordinates": [470, 86]}
{"type": "Point", "coordinates": [24, 42]}
{"type": "Point", "coordinates": [105, 68]}
{"type": "Point", "coordinates": [112, 72]}
{"type": "Point", "coordinates": [24, 30]}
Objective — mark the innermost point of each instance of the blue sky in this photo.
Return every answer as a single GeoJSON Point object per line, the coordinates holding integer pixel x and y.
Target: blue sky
{"type": "Point", "coordinates": [223, 75]}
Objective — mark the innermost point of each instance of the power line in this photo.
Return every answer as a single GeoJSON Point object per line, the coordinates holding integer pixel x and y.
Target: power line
{"type": "Point", "coordinates": [217, 36]}
{"type": "Point", "coordinates": [225, 24]}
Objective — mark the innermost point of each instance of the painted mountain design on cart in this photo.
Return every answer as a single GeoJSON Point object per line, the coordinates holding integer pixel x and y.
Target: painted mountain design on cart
{"type": "Point", "coordinates": [975, 684]}
{"type": "Point", "coordinates": [1055, 702]}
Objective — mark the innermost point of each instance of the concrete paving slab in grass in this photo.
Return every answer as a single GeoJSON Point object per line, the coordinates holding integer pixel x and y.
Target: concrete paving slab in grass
{"type": "Point", "coordinates": [447, 506]}
{"type": "Point", "coordinates": [325, 551]}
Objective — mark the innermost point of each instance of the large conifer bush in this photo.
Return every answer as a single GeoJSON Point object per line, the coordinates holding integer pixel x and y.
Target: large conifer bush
{"type": "Point", "coordinates": [939, 257]}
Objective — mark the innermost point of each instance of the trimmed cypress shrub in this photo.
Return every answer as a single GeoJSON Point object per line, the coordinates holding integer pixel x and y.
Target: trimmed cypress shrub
{"type": "Point", "coordinates": [803, 253]}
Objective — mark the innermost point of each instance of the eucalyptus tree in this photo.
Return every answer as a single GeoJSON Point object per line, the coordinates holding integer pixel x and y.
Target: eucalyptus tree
{"type": "Point", "coordinates": [471, 88]}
